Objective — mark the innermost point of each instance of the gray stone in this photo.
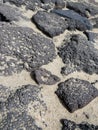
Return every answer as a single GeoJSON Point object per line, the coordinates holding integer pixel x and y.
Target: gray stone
{"type": "Point", "coordinates": [22, 48]}
{"type": "Point", "coordinates": [14, 110]}
{"type": "Point", "coordinates": [75, 21]}
{"type": "Point", "coordinates": [49, 23]}
{"type": "Point", "coordinates": [43, 76]}
{"type": "Point", "coordinates": [8, 13]}
{"type": "Point", "coordinates": [83, 8]}
{"type": "Point", "coordinates": [4, 93]}
{"type": "Point", "coordinates": [76, 93]}
{"type": "Point", "coordinates": [79, 53]}
{"type": "Point", "coordinates": [91, 36]}
{"type": "Point", "coordinates": [70, 125]}
{"type": "Point", "coordinates": [30, 4]}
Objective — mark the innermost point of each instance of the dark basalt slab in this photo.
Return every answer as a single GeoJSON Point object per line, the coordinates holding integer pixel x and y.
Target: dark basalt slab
{"type": "Point", "coordinates": [76, 93]}
{"type": "Point", "coordinates": [22, 48]}
{"type": "Point", "coordinates": [43, 76]}
{"type": "Point", "coordinates": [8, 13]}
{"type": "Point", "coordinates": [70, 125]}
{"type": "Point", "coordinates": [14, 110]}
{"type": "Point", "coordinates": [83, 8]}
{"type": "Point", "coordinates": [49, 23]}
{"type": "Point", "coordinates": [30, 4]}
{"type": "Point", "coordinates": [75, 20]}
{"type": "Point", "coordinates": [79, 54]}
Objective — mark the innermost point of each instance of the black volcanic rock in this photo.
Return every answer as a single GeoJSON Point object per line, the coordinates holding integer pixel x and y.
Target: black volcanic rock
{"type": "Point", "coordinates": [79, 54]}
{"type": "Point", "coordinates": [8, 13]}
{"type": "Point", "coordinates": [76, 93]}
{"type": "Point", "coordinates": [70, 125]}
{"type": "Point", "coordinates": [83, 8]}
{"type": "Point", "coordinates": [49, 23]}
{"type": "Point", "coordinates": [30, 4]}
{"type": "Point", "coordinates": [13, 111]}
{"type": "Point", "coordinates": [75, 21]}
{"type": "Point", "coordinates": [22, 48]}
{"type": "Point", "coordinates": [43, 76]}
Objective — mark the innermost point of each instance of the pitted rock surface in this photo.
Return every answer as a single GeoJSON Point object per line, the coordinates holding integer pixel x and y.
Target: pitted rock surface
{"type": "Point", "coordinates": [22, 48]}
{"type": "Point", "coordinates": [43, 76]}
{"type": "Point", "coordinates": [14, 109]}
{"type": "Point", "coordinates": [76, 93]}
{"type": "Point", "coordinates": [49, 23]}
{"type": "Point", "coordinates": [83, 8]}
{"type": "Point", "coordinates": [30, 4]}
{"type": "Point", "coordinates": [75, 21]}
{"type": "Point", "coordinates": [80, 54]}
{"type": "Point", "coordinates": [4, 93]}
{"type": "Point", "coordinates": [8, 13]}
{"type": "Point", "coordinates": [70, 125]}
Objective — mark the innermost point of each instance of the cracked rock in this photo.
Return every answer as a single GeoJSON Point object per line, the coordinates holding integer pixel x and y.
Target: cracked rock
{"type": "Point", "coordinates": [76, 93]}
{"type": "Point", "coordinates": [70, 125]}
{"type": "Point", "coordinates": [83, 8]}
{"type": "Point", "coordinates": [75, 21]}
{"type": "Point", "coordinates": [22, 48]}
{"type": "Point", "coordinates": [91, 36]}
{"type": "Point", "coordinates": [43, 76]}
{"type": "Point", "coordinates": [80, 54]}
{"type": "Point", "coordinates": [49, 23]}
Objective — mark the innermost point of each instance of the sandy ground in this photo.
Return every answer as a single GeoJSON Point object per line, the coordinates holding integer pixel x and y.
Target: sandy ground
{"type": "Point", "coordinates": [50, 120]}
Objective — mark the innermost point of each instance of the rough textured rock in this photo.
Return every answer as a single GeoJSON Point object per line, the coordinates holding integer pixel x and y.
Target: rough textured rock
{"type": "Point", "coordinates": [84, 8]}
{"type": "Point", "coordinates": [51, 24]}
{"type": "Point", "coordinates": [76, 93]}
{"type": "Point", "coordinates": [4, 93]}
{"type": "Point", "coordinates": [30, 4]}
{"type": "Point", "coordinates": [43, 76]}
{"type": "Point", "coordinates": [75, 20]}
{"type": "Point", "coordinates": [80, 54]}
{"type": "Point", "coordinates": [58, 3]}
{"type": "Point", "coordinates": [8, 14]}
{"type": "Point", "coordinates": [91, 36]}
{"type": "Point", "coordinates": [22, 48]}
{"type": "Point", "coordinates": [70, 125]}
{"type": "Point", "coordinates": [14, 109]}
{"type": "Point", "coordinates": [95, 22]}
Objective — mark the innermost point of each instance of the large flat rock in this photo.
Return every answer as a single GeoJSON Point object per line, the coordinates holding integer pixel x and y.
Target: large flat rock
{"type": "Point", "coordinates": [49, 23]}
{"type": "Point", "coordinates": [83, 8]}
{"type": "Point", "coordinates": [75, 21]}
{"type": "Point", "coordinates": [76, 93]}
{"type": "Point", "coordinates": [22, 48]}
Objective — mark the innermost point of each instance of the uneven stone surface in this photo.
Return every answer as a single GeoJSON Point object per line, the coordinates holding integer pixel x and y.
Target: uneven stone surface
{"type": "Point", "coordinates": [75, 21]}
{"type": "Point", "coordinates": [49, 23]}
{"type": "Point", "coordinates": [30, 4]}
{"type": "Point", "coordinates": [79, 54]}
{"type": "Point", "coordinates": [14, 109]}
{"type": "Point", "coordinates": [91, 36]}
{"type": "Point", "coordinates": [70, 125]}
{"type": "Point", "coordinates": [8, 14]}
{"type": "Point", "coordinates": [76, 93]}
{"type": "Point", "coordinates": [4, 93]}
{"type": "Point", "coordinates": [43, 76]}
{"type": "Point", "coordinates": [22, 48]}
{"type": "Point", "coordinates": [84, 8]}
{"type": "Point", "coordinates": [95, 22]}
